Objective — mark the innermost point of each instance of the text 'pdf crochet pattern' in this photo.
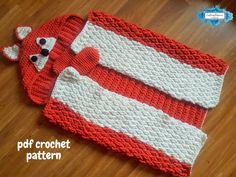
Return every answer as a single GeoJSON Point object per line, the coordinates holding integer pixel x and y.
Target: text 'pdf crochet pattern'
{"type": "Point", "coordinates": [127, 88]}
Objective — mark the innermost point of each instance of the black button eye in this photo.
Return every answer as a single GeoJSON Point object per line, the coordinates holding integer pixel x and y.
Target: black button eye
{"type": "Point", "coordinates": [45, 52]}
{"type": "Point", "coordinates": [34, 58]}
{"type": "Point", "coordinates": [42, 41]}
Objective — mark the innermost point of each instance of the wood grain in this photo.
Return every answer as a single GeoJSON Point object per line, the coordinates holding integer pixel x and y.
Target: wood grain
{"type": "Point", "coordinates": [20, 119]}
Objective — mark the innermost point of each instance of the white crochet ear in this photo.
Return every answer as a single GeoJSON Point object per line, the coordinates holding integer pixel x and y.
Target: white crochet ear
{"type": "Point", "coordinates": [22, 31]}
{"type": "Point", "coordinates": [11, 53]}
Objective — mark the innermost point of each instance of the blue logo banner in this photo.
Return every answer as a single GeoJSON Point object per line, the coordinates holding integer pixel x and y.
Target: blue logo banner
{"type": "Point", "coordinates": [214, 16]}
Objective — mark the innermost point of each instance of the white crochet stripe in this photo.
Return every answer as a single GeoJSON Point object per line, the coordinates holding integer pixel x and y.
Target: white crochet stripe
{"type": "Point", "coordinates": [156, 69]}
{"type": "Point", "coordinates": [122, 114]}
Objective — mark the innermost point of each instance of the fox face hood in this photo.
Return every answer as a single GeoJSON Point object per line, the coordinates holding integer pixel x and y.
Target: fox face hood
{"type": "Point", "coordinates": [37, 51]}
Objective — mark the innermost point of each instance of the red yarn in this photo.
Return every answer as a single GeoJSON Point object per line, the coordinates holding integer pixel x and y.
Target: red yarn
{"type": "Point", "coordinates": [40, 84]}
{"type": "Point", "coordinates": [62, 115]}
{"type": "Point", "coordinates": [159, 42]}
{"type": "Point", "coordinates": [129, 87]}
{"type": "Point", "coordinates": [185, 111]}
{"type": "Point", "coordinates": [65, 29]}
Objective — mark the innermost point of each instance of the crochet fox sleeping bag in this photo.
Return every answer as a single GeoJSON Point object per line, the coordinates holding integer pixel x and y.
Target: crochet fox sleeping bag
{"type": "Point", "coordinates": [126, 88]}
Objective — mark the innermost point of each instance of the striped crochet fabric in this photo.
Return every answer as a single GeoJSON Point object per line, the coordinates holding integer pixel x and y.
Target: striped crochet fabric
{"type": "Point", "coordinates": [127, 88]}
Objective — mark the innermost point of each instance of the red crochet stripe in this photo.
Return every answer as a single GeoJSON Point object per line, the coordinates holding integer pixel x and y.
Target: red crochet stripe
{"type": "Point", "coordinates": [126, 86]}
{"type": "Point", "coordinates": [161, 43]}
{"type": "Point", "coordinates": [131, 88]}
{"type": "Point", "coordinates": [62, 115]}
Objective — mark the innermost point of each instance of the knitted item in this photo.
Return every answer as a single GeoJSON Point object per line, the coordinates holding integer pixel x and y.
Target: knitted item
{"type": "Point", "coordinates": [184, 73]}
{"type": "Point", "coordinates": [127, 88]}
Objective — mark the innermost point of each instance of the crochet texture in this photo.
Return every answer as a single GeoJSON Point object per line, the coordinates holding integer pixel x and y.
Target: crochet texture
{"type": "Point", "coordinates": [127, 88]}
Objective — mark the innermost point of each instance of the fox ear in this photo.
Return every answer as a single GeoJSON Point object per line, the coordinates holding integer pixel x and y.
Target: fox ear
{"type": "Point", "coordinates": [22, 32]}
{"type": "Point", "coordinates": [11, 52]}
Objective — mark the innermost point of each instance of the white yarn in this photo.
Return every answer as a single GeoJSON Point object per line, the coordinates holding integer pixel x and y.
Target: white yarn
{"type": "Point", "coordinates": [108, 109]}
{"type": "Point", "coordinates": [42, 60]}
{"type": "Point", "coordinates": [50, 42]}
{"type": "Point", "coordinates": [12, 52]}
{"type": "Point", "coordinates": [156, 69]}
{"type": "Point", "coordinates": [23, 31]}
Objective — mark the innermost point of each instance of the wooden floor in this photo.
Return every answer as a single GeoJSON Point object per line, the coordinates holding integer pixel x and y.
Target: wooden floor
{"type": "Point", "coordinates": [20, 119]}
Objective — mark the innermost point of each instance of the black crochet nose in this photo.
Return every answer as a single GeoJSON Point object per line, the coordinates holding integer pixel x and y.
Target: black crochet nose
{"type": "Point", "coordinates": [45, 52]}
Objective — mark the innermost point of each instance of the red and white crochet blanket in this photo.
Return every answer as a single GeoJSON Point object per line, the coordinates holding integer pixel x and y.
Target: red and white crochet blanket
{"type": "Point", "coordinates": [127, 88]}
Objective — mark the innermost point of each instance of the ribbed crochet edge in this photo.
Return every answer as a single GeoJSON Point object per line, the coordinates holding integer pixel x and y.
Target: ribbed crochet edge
{"type": "Point", "coordinates": [69, 31]}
